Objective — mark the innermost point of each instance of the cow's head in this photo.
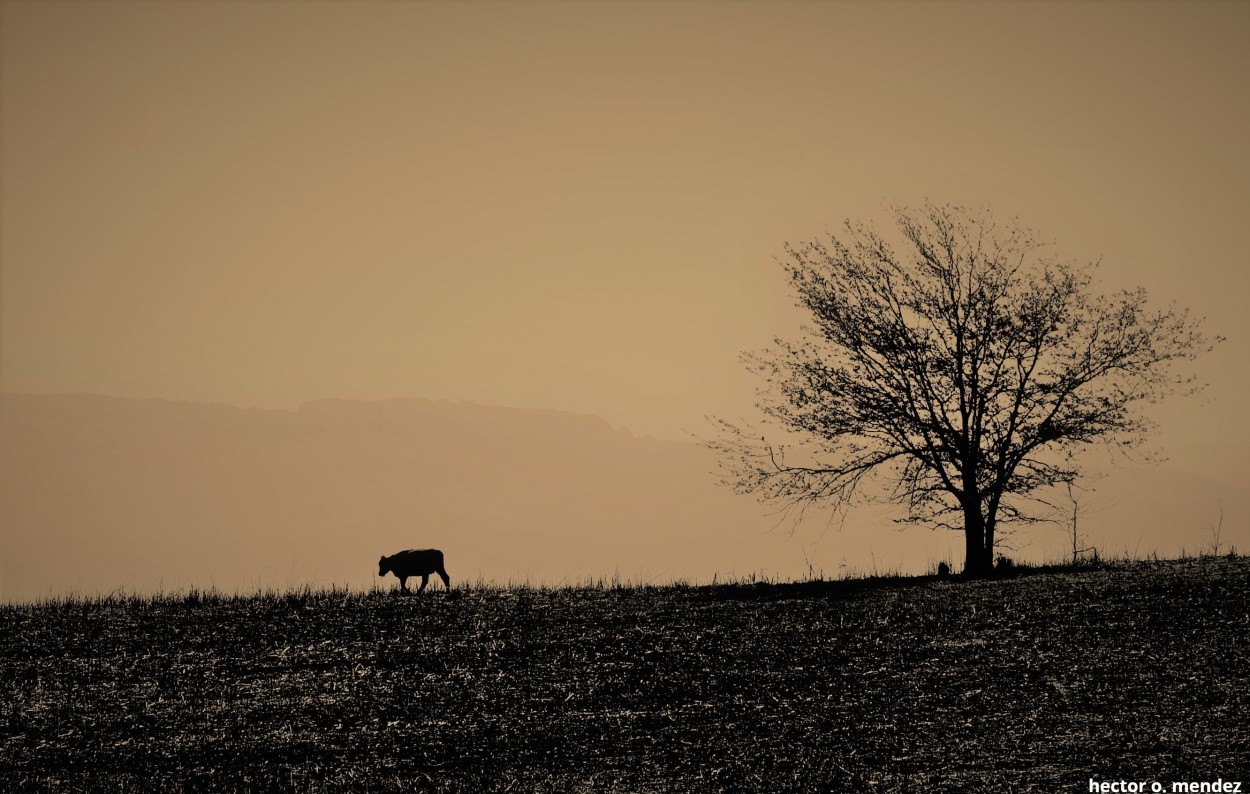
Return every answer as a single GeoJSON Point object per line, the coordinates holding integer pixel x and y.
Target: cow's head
{"type": "Point", "coordinates": [384, 566]}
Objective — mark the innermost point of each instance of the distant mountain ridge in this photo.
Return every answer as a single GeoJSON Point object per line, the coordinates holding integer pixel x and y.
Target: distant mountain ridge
{"type": "Point", "coordinates": [324, 407]}
{"type": "Point", "coordinates": [105, 492]}
{"type": "Point", "coordinates": [101, 493]}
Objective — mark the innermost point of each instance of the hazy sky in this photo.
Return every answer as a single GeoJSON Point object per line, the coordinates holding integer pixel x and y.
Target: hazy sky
{"type": "Point", "coordinates": [575, 206]}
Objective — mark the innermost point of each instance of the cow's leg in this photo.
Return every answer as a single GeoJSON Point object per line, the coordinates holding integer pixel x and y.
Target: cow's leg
{"type": "Point", "coordinates": [425, 579]}
{"type": "Point", "coordinates": [446, 579]}
{"type": "Point", "coordinates": [403, 583]}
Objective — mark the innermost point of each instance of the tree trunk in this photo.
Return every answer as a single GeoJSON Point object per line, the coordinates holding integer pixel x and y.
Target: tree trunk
{"type": "Point", "coordinates": [979, 557]}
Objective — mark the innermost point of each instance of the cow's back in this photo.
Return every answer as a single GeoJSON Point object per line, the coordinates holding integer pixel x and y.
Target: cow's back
{"type": "Point", "coordinates": [419, 561]}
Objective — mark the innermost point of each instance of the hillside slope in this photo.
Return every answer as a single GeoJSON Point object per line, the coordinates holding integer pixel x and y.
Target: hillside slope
{"type": "Point", "coordinates": [1038, 683]}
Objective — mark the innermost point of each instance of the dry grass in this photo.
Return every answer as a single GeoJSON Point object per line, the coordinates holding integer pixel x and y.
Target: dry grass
{"type": "Point", "coordinates": [1038, 682]}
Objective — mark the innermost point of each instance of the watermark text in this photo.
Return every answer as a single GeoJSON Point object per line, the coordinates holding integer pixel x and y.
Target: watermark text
{"type": "Point", "coordinates": [1217, 786]}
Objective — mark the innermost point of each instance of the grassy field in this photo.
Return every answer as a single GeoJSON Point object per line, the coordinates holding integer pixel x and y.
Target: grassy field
{"type": "Point", "coordinates": [1038, 682]}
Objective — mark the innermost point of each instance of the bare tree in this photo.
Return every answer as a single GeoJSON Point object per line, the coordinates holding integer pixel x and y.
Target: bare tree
{"type": "Point", "coordinates": [959, 373]}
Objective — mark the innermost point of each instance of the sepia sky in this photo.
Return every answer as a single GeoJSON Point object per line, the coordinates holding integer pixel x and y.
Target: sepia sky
{"type": "Point", "coordinates": [570, 206]}
{"type": "Point", "coordinates": [574, 206]}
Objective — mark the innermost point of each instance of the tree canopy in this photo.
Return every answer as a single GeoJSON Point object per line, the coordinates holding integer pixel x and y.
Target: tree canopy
{"type": "Point", "coordinates": [959, 370]}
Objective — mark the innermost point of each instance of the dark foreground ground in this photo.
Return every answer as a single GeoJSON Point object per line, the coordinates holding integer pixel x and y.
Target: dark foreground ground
{"type": "Point", "coordinates": [1036, 683]}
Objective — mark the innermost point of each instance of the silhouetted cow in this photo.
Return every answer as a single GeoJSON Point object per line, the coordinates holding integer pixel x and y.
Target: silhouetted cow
{"type": "Point", "coordinates": [415, 562]}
